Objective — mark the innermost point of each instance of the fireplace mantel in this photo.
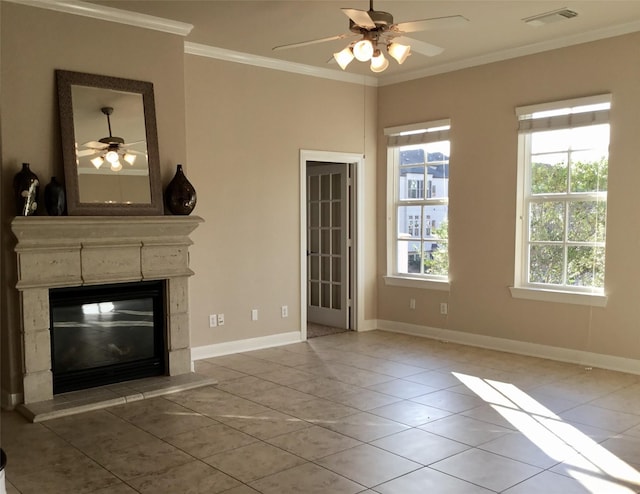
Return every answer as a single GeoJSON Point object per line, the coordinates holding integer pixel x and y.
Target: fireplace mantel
{"type": "Point", "coordinates": [61, 251]}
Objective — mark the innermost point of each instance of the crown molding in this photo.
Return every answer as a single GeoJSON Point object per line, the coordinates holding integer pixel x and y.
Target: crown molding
{"type": "Point", "coordinates": [111, 14]}
{"type": "Point", "coordinates": [272, 63]}
{"type": "Point", "coordinates": [520, 51]}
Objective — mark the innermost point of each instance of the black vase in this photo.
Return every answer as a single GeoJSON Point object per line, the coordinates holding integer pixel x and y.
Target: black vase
{"type": "Point", "coordinates": [180, 196]}
{"type": "Point", "coordinates": [54, 198]}
{"type": "Point", "coordinates": [26, 187]}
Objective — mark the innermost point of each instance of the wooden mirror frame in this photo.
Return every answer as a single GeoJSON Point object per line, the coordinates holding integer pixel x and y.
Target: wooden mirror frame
{"type": "Point", "coordinates": [65, 80]}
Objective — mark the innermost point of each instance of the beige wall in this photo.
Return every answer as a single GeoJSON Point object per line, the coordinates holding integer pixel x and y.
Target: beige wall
{"type": "Point", "coordinates": [239, 140]}
{"type": "Point", "coordinates": [245, 129]}
{"type": "Point", "coordinates": [480, 102]}
{"type": "Point", "coordinates": [35, 42]}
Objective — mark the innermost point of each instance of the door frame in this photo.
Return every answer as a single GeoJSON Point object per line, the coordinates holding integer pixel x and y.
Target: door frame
{"type": "Point", "coordinates": [357, 261]}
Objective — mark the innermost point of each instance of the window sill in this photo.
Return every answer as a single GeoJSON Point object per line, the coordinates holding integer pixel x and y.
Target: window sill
{"type": "Point", "coordinates": [589, 299]}
{"type": "Point", "coordinates": [409, 282]}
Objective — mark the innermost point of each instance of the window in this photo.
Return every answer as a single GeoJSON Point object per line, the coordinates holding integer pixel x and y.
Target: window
{"type": "Point", "coordinates": [418, 158]}
{"type": "Point", "coordinates": [562, 174]}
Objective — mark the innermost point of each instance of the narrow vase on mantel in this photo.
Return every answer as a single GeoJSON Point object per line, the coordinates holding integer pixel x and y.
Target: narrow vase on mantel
{"type": "Point", "coordinates": [54, 198]}
{"type": "Point", "coordinates": [26, 187]}
{"type": "Point", "coordinates": [180, 195]}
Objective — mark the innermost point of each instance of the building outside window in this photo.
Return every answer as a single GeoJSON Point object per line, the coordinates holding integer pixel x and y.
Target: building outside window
{"type": "Point", "coordinates": [418, 238]}
{"type": "Point", "coordinates": [562, 175]}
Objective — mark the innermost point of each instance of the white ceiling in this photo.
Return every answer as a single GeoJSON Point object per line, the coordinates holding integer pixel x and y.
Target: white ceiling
{"type": "Point", "coordinates": [495, 31]}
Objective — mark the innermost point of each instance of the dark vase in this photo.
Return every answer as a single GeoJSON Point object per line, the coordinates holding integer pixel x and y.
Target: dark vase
{"type": "Point", "coordinates": [54, 198]}
{"type": "Point", "coordinates": [180, 196]}
{"type": "Point", "coordinates": [26, 187]}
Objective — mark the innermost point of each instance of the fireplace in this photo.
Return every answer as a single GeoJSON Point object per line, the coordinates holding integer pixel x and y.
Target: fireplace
{"type": "Point", "coordinates": [84, 254]}
{"type": "Point", "coordinates": [106, 334]}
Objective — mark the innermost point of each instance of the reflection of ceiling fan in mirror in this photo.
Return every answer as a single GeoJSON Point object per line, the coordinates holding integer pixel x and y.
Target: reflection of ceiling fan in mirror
{"type": "Point", "coordinates": [109, 149]}
{"type": "Point", "coordinates": [378, 33]}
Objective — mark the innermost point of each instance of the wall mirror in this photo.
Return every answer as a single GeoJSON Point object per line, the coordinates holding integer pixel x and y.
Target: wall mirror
{"type": "Point", "coordinates": [109, 145]}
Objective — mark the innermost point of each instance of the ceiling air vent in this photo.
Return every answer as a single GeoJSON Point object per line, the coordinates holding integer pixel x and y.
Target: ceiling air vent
{"type": "Point", "coordinates": [550, 17]}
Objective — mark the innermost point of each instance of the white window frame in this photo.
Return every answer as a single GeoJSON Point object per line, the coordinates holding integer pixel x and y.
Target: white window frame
{"type": "Point", "coordinates": [404, 135]}
{"type": "Point", "coordinates": [529, 122]}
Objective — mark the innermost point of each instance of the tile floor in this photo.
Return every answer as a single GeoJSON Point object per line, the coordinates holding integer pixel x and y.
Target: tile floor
{"type": "Point", "coordinates": [371, 412]}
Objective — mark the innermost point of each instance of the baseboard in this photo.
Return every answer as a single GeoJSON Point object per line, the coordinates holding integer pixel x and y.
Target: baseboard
{"type": "Point", "coordinates": [228, 347]}
{"type": "Point", "coordinates": [8, 401]}
{"type": "Point", "coordinates": [588, 359]}
{"type": "Point", "coordinates": [368, 325]}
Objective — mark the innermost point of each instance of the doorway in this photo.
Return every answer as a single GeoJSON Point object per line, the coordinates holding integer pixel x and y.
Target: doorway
{"type": "Point", "coordinates": [329, 233]}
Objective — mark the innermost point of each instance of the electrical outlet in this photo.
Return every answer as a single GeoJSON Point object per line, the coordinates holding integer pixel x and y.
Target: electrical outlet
{"type": "Point", "coordinates": [213, 320]}
{"type": "Point", "coordinates": [444, 308]}
{"type": "Point", "coordinates": [220, 319]}
{"type": "Point", "coordinates": [284, 311]}
{"type": "Point", "coordinates": [254, 314]}
{"type": "Point", "coordinates": [412, 303]}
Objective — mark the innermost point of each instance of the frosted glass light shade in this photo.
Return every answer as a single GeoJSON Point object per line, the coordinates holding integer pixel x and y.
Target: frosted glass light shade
{"type": "Point", "coordinates": [379, 63]}
{"type": "Point", "coordinates": [97, 162]}
{"type": "Point", "coordinates": [363, 50]}
{"type": "Point", "coordinates": [344, 57]}
{"type": "Point", "coordinates": [399, 52]}
{"type": "Point", "coordinates": [130, 158]}
{"type": "Point", "coordinates": [112, 157]}
{"type": "Point", "coordinates": [116, 166]}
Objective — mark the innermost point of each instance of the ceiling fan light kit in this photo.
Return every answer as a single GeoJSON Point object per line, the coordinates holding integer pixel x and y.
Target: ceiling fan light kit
{"type": "Point", "coordinates": [378, 30]}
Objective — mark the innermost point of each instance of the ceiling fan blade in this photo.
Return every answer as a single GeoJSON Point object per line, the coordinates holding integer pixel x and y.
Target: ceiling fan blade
{"type": "Point", "coordinates": [360, 17]}
{"type": "Point", "coordinates": [312, 42]}
{"type": "Point", "coordinates": [94, 145]}
{"type": "Point", "coordinates": [421, 47]}
{"type": "Point", "coordinates": [86, 152]}
{"type": "Point", "coordinates": [429, 24]}
{"type": "Point", "coordinates": [132, 143]}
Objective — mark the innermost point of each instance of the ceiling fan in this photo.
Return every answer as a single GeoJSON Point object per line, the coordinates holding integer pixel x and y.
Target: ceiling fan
{"type": "Point", "coordinates": [378, 32]}
{"type": "Point", "coordinates": [109, 148]}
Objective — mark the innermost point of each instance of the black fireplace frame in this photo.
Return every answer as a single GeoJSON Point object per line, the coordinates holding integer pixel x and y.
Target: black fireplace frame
{"type": "Point", "coordinates": [121, 372]}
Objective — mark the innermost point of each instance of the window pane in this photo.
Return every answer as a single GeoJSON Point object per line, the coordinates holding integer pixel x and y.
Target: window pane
{"type": "Point", "coordinates": [588, 172]}
{"type": "Point", "coordinates": [435, 222]}
{"type": "Point", "coordinates": [409, 258]}
{"type": "Point", "coordinates": [546, 221]}
{"type": "Point", "coordinates": [549, 173]}
{"type": "Point", "coordinates": [545, 264]}
{"type": "Point", "coordinates": [409, 221]}
{"type": "Point", "coordinates": [436, 258]}
{"type": "Point", "coordinates": [437, 181]}
{"type": "Point", "coordinates": [411, 182]}
{"type": "Point", "coordinates": [585, 266]}
{"type": "Point", "coordinates": [411, 156]}
{"type": "Point", "coordinates": [590, 137]}
{"type": "Point", "coordinates": [549, 141]}
{"type": "Point", "coordinates": [587, 221]}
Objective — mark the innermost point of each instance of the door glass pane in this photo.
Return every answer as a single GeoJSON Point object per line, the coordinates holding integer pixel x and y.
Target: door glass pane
{"type": "Point", "coordinates": [326, 214]}
{"type": "Point", "coordinates": [314, 240]}
{"type": "Point", "coordinates": [336, 302]}
{"type": "Point", "coordinates": [314, 188]}
{"type": "Point", "coordinates": [336, 190]}
{"type": "Point", "coordinates": [314, 294]}
{"type": "Point", "coordinates": [336, 216]}
{"type": "Point", "coordinates": [326, 296]}
{"type": "Point", "coordinates": [325, 236]}
{"type": "Point", "coordinates": [314, 214]}
{"type": "Point", "coordinates": [325, 263]}
{"type": "Point", "coordinates": [336, 244]}
{"type": "Point", "coordinates": [325, 187]}
{"type": "Point", "coordinates": [314, 267]}
{"type": "Point", "coordinates": [336, 273]}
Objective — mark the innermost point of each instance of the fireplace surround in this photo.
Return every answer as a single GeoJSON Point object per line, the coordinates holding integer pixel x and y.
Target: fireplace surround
{"type": "Point", "coordinates": [58, 251]}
